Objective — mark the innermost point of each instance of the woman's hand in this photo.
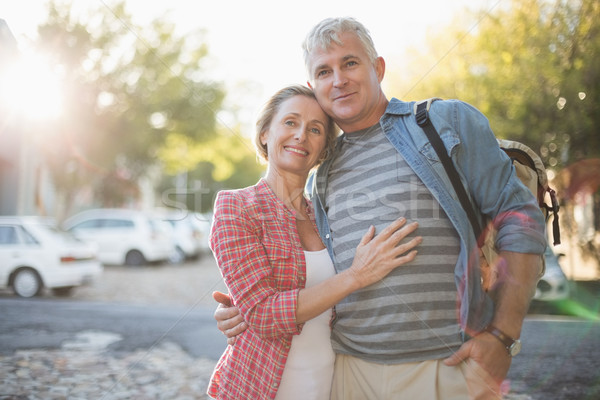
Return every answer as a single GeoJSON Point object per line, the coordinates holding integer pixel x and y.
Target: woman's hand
{"type": "Point", "coordinates": [376, 256]}
{"type": "Point", "coordinates": [229, 319]}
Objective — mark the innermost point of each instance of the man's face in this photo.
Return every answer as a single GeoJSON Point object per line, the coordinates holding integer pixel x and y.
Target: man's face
{"type": "Point", "coordinates": [347, 84]}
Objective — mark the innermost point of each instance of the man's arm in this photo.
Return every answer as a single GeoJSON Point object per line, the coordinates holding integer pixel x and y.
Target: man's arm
{"type": "Point", "coordinates": [229, 319]}
{"type": "Point", "coordinates": [518, 276]}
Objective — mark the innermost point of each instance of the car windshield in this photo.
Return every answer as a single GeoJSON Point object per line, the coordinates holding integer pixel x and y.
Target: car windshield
{"type": "Point", "coordinates": [52, 231]}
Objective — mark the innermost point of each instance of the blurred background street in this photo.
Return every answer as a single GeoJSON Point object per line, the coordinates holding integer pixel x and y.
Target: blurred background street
{"type": "Point", "coordinates": [188, 284]}
{"type": "Point", "coordinates": [120, 121]}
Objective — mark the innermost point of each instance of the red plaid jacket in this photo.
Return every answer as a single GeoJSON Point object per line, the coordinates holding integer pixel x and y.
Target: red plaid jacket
{"type": "Point", "coordinates": [257, 247]}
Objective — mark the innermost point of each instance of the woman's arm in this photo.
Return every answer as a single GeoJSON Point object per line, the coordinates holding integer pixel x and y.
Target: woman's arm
{"type": "Point", "coordinates": [236, 241]}
{"type": "Point", "coordinates": [375, 258]}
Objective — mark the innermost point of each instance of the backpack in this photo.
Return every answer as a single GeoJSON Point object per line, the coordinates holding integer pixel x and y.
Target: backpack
{"type": "Point", "coordinates": [529, 169]}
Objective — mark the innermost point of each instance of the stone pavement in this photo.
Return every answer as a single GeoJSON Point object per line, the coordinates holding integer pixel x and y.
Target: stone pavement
{"type": "Point", "coordinates": [164, 372]}
{"type": "Point", "coordinates": [84, 369]}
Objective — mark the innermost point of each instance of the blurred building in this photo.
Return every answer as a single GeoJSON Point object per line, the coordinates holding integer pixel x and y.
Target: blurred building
{"type": "Point", "coordinates": [17, 172]}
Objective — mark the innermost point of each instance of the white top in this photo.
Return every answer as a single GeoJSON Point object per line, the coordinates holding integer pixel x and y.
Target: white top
{"type": "Point", "coordinates": [309, 367]}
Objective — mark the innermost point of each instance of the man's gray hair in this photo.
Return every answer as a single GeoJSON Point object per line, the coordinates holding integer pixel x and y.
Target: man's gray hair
{"type": "Point", "coordinates": [328, 31]}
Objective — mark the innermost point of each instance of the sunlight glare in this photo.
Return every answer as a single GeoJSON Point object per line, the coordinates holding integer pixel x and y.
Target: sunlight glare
{"type": "Point", "coordinates": [32, 89]}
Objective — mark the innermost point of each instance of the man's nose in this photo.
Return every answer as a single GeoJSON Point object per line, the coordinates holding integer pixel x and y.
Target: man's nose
{"type": "Point", "coordinates": [339, 79]}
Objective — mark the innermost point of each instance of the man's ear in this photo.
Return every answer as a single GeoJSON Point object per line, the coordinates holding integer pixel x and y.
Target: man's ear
{"type": "Point", "coordinates": [380, 68]}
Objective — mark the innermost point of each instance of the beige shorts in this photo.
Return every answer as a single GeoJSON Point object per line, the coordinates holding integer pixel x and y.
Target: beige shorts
{"type": "Point", "coordinates": [356, 379]}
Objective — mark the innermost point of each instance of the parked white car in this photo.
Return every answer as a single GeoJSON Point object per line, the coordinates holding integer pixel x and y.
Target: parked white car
{"type": "Point", "coordinates": [189, 233]}
{"type": "Point", "coordinates": [203, 223]}
{"type": "Point", "coordinates": [123, 236]}
{"type": "Point", "coordinates": [35, 255]}
{"type": "Point", "coordinates": [554, 285]}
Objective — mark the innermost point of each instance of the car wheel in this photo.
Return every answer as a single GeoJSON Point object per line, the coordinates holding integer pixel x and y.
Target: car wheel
{"type": "Point", "coordinates": [134, 258]}
{"type": "Point", "coordinates": [26, 283]}
{"type": "Point", "coordinates": [63, 291]}
{"type": "Point", "coordinates": [177, 256]}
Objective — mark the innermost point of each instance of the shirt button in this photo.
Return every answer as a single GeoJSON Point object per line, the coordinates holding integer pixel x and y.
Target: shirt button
{"type": "Point", "coordinates": [327, 236]}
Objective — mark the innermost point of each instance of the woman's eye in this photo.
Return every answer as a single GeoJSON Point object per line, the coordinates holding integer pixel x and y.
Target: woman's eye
{"type": "Point", "coordinates": [316, 130]}
{"type": "Point", "coordinates": [290, 123]}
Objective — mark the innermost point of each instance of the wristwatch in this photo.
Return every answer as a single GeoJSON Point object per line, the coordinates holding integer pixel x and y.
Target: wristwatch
{"type": "Point", "coordinates": [513, 346]}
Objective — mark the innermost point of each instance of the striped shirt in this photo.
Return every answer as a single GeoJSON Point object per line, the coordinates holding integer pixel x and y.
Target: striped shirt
{"type": "Point", "coordinates": [411, 314]}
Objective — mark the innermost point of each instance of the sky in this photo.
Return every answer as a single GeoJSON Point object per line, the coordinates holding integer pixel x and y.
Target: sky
{"type": "Point", "coordinates": [257, 43]}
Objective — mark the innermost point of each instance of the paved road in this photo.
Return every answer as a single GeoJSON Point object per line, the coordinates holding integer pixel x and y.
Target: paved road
{"type": "Point", "coordinates": [559, 358]}
{"type": "Point", "coordinates": [39, 323]}
{"type": "Point", "coordinates": [143, 332]}
{"type": "Point", "coordinates": [137, 333]}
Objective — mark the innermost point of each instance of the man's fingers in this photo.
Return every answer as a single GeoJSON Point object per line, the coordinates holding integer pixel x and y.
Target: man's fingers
{"type": "Point", "coordinates": [461, 355]}
{"type": "Point", "coordinates": [222, 298]}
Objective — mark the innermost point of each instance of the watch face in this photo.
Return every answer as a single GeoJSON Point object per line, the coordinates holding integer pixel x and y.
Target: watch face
{"type": "Point", "coordinates": [515, 348]}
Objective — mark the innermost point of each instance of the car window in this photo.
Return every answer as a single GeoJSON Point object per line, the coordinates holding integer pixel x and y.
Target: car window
{"type": "Point", "coordinates": [158, 225]}
{"type": "Point", "coordinates": [8, 235]}
{"type": "Point", "coordinates": [53, 231]}
{"type": "Point", "coordinates": [117, 223]}
{"type": "Point", "coordinates": [91, 223]}
{"type": "Point", "coordinates": [28, 238]}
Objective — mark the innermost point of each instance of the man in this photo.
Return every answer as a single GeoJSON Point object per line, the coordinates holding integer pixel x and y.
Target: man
{"type": "Point", "coordinates": [407, 336]}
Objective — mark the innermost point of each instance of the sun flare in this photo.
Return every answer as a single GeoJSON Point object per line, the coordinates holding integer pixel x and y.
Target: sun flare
{"type": "Point", "coordinates": [32, 89]}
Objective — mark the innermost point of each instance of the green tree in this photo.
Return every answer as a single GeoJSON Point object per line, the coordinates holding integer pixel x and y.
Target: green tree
{"type": "Point", "coordinates": [532, 68]}
{"type": "Point", "coordinates": [131, 92]}
{"type": "Point", "coordinates": [228, 161]}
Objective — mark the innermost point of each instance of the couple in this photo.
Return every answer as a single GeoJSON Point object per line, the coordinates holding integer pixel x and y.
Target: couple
{"type": "Point", "coordinates": [403, 326]}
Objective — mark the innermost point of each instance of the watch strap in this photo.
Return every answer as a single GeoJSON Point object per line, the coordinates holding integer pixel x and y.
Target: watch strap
{"type": "Point", "coordinates": [501, 336]}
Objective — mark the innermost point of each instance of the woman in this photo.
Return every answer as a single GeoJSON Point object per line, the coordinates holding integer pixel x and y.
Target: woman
{"type": "Point", "coordinates": [276, 268]}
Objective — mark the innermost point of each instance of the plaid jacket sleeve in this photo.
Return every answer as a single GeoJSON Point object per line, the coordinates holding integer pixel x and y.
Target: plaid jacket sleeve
{"type": "Point", "coordinates": [259, 270]}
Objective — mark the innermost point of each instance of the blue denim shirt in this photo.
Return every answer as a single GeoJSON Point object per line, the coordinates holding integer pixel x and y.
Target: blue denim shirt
{"type": "Point", "coordinates": [483, 168]}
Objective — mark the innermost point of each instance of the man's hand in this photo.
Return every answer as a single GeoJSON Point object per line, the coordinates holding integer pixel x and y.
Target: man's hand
{"type": "Point", "coordinates": [517, 278]}
{"type": "Point", "coordinates": [488, 352]}
{"type": "Point", "coordinates": [229, 319]}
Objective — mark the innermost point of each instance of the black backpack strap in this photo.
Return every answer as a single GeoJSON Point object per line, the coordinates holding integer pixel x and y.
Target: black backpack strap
{"type": "Point", "coordinates": [422, 116]}
{"type": "Point", "coordinates": [554, 210]}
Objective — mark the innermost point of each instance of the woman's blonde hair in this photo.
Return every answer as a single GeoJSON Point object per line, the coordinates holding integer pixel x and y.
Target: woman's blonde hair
{"type": "Point", "coordinates": [272, 106]}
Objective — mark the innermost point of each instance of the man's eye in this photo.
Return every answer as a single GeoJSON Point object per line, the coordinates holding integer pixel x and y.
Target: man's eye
{"type": "Point", "coordinates": [351, 63]}
{"type": "Point", "coordinates": [321, 73]}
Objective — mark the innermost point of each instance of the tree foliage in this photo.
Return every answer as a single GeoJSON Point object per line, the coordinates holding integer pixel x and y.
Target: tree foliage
{"type": "Point", "coordinates": [532, 68]}
{"type": "Point", "coordinates": [134, 95]}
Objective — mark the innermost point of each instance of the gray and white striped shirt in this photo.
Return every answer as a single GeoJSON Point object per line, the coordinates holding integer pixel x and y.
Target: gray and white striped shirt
{"type": "Point", "coordinates": [410, 315]}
